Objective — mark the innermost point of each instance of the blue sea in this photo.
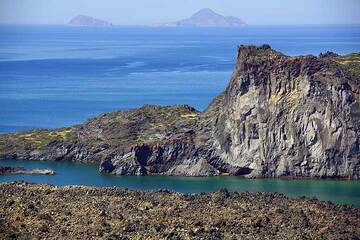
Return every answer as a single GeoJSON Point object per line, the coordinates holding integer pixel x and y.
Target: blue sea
{"type": "Point", "coordinates": [56, 76]}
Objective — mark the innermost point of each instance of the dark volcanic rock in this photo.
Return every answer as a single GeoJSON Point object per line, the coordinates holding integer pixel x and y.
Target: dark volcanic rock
{"type": "Point", "coordinates": [10, 170]}
{"type": "Point", "coordinates": [280, 116]}
{"type": "Point", "coordinates": [21, 170]}
{"type": "Point", "coordinates": [33, 211]}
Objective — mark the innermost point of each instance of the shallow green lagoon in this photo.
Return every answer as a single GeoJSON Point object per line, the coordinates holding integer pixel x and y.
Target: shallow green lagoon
{"type": "Point", "coordinates": [87, 174]}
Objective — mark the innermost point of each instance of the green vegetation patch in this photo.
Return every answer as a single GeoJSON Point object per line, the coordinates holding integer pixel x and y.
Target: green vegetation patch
{"type": "Point", "coordinates": [37, 139]}
{"type": "Point", "coordinates": [351, 62]}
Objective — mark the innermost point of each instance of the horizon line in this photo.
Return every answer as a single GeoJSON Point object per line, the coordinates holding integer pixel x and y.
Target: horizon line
{"type": "Point", "coordinates": [184, 27]}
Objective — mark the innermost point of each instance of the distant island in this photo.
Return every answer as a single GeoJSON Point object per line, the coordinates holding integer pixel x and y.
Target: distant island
{"type": "Point", "coordinates": [206, 18]}
{"type": "Point", "coordinates": [82, 20]}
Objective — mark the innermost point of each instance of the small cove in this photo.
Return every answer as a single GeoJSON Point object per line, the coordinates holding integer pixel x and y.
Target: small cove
{"type": "Point", "coordinates": [336, 191]}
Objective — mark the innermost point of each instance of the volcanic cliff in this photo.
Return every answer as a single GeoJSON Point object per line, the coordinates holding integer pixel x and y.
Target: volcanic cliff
{"type": "Point", "coordinates": [280, 116]}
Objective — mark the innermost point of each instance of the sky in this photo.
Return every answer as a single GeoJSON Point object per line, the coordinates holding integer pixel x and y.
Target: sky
{"type": "Point", "coordinates": [147, 12]}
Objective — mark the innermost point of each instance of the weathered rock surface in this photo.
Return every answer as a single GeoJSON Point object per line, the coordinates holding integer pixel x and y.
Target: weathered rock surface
{"type": "Point", "coordinates": [297, 116]}
{"type": "Point", "coordinates": [149, 140]}
{"type": "Point", "coordinates": [280, 116]}
{"type": "Point", "coordinates": [33, 211]}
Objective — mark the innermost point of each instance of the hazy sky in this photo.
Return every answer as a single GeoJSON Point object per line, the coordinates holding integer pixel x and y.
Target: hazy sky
{"type": "Point", "coordinates": [130, 12]}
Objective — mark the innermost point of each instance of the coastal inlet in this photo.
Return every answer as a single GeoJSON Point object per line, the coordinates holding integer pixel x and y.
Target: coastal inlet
{"type": "Point", "coordinates": [348, 191]}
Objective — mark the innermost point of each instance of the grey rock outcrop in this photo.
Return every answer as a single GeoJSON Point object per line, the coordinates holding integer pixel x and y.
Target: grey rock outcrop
{"type": "Point", "coordinates": [290, 116]}
{"type": "Point", "coordinates": [4, 170]}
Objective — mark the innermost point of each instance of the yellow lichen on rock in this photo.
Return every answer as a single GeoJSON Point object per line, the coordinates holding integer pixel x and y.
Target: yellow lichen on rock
{"type": "Point", "coordinates": [63, 132]}
{"type": "Point", "coordinates": [275, 98]}
{"type": "Point", "coordinates": [352, 58]}
{"type": "Point", "coordinates": [190, 116]}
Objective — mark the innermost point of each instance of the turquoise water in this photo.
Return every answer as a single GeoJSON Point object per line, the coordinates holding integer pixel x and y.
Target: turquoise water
{"type": "Point", "coordinates": [87, 174]}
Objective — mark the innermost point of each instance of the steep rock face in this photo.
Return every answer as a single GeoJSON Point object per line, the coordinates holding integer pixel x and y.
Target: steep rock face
{"type": "Point", "coordinates": [290, 116]}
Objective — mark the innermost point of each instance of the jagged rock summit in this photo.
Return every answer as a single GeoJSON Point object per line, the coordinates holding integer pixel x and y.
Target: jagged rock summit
{"type": "Point", "coordinates": [206, 18]}
{"type": "Point", "coordinates": [83, 20]}
{"type": "Point", "coordinates": [279, 116]}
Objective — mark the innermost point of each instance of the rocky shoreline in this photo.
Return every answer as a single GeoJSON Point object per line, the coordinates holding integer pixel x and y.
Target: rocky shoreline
{"type": "Point", "coordinates": [4, 170]}
{"type": "Point", "coordinates": [35, 211]}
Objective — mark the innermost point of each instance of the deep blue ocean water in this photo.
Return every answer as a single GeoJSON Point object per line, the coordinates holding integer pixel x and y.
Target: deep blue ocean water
{"type": "Point", "coordinates": [55, 76]}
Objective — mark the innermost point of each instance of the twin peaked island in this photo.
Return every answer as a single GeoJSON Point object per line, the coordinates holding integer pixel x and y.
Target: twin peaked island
{"type": "Point", "coordinates": [203, 18]}
{"type": "Point", "coordinates": [279, 116]}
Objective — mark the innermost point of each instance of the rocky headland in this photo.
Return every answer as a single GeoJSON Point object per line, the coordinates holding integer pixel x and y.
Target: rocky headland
{"type": "Point", "coordinates": [280, 116]}
{"type": "Point", "coordinates": [33, 211]}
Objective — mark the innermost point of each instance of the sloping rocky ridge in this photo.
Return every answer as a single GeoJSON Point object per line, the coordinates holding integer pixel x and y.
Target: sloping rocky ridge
{"type": "Point", "coordinates": [35, 211]}
{"type": "Point", "coordinates": [148, 140]}
{"type": "Point", "coordinates": [279, 116]}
